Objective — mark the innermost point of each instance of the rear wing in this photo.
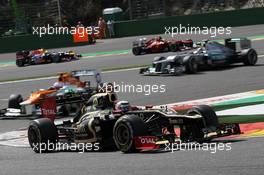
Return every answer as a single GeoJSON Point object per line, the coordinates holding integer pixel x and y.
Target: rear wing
{"type": "Point", "coordinates": [88, 72]}
{"type": "Point", "coordinates": [238, 44]}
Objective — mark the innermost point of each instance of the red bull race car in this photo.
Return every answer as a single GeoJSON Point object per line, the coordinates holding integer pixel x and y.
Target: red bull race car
{"type": "Point", "coordinates": [42, 56]}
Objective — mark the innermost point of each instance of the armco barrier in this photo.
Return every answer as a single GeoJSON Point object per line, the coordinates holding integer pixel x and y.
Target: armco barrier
{"type": "Point", "coordinates": [156, 26]}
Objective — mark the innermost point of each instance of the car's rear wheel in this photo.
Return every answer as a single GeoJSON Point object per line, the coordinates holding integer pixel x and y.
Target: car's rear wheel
{"type": "Point", "coordinates": [209, 115]}
{"type": "Point", "coordinates": [125, 129]}
{"type": "Point", "coordinates": [250, 58]}
{"type": "Point", "coordinates": [136, 50]}
{"type": "Point", "coordinates": [42, 135]}
{"type": "Point", "coordinates": [194, 130]}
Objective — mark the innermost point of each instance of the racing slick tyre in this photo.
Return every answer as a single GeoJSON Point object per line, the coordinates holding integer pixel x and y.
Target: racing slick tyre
{"type": "Point", "coordinates": [191, 65]}
{"type": "Point", "coordinates": [136, 50]}
{"type": "Point", "coordinates": [56, 58]}
{"type": "Point", "coordinates": [195, 131]}
{"type": "Point", "coordinates": [250, 57]}
{"type": "Point", "coordinates": [42, 135]}
{"type": "Point", "coordinates": [20, 62]}
{"type": "Point", "coordinates": [125, 129]}
{"type": "Point", "coordinates": [209, 115]}
{"type": "Point", "coordinates": [14, 102]}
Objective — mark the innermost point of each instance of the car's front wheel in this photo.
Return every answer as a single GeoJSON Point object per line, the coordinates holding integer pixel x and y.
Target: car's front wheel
{"type": "Point", "coordinates": [42, 135]}
{"type": "Point", "coordinates": [125, 130]}
{"type": "Point", "coordinates": [20, 62]}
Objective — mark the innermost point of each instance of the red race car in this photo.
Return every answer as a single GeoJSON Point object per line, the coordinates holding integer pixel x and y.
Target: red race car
{"type": "Point", "coordinates": [157, 45]}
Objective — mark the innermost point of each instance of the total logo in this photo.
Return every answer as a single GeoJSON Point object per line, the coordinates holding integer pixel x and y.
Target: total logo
{"type": "Point", "coordinates": [148, 139]}
{"type": "Point", "coordinates": [47, 112]}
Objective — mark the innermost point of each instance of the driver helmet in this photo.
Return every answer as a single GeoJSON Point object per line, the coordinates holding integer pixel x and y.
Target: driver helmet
{"type": "Point", "coordinates": [103, 100]}
{"type": "Point", "coordinates": [123, 106]}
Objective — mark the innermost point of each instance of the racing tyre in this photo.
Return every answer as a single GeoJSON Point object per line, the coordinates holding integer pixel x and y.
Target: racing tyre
{"type": "Point", "coordinates": [250, 58]}
{"type": "Point", "coordinates": [55, 58]}
{"type": "Point", "coordinates": [195, 130]}
{"type": "Point", "coordinates": [125, 129]}
{"type": "Point", "coordinates": [209, 115]}
{"type": "Point", "coordinates": [20, 63]}
{"type": "Point", "coordinates": [136, 50]}
{"type": "Point", "coordinates": [14, 102]}
{"type": "Point", "coordinates": [42, 135]}
{"type": "Point", "coordinates": [191, 66]}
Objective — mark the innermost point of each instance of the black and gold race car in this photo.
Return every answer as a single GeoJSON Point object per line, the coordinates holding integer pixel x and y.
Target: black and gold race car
{"type": "Point", "coordinates": [105, 124]}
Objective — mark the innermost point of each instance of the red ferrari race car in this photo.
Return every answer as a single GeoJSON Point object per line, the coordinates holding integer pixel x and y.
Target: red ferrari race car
{"type": "Point", "coordinates": [41, 56]}
{"type": "Point", "coordinates": [157, 45]}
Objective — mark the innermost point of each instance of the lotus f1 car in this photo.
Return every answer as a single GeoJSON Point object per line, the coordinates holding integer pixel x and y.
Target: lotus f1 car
{"type": "Point", "coordinates": [41, 56]}
{"type": "Point", "coordinates": [158, 45]}
{"type": "Point", "coordinates": [212, 54]}
{"type": "Point", "coordinates": [76, 90]}
{"type": "Point", "coordinates": [130, 129]}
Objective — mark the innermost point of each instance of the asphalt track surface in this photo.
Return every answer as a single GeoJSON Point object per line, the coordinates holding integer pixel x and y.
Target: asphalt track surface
{"type": "Point", "coordinates": [246, 156]}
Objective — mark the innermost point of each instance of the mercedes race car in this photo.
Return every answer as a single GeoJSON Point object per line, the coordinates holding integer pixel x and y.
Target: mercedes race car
{"type": "Point", "coordinates": [42, 56]}
{"type": "Point", "coordinates": [158, 45]}
{"type": "Point", "coordinates": [111, 125]}
{"type": "Point", "coordinates": [211, 54]}
{"type": "Point", "coordinates": [72, 90]}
